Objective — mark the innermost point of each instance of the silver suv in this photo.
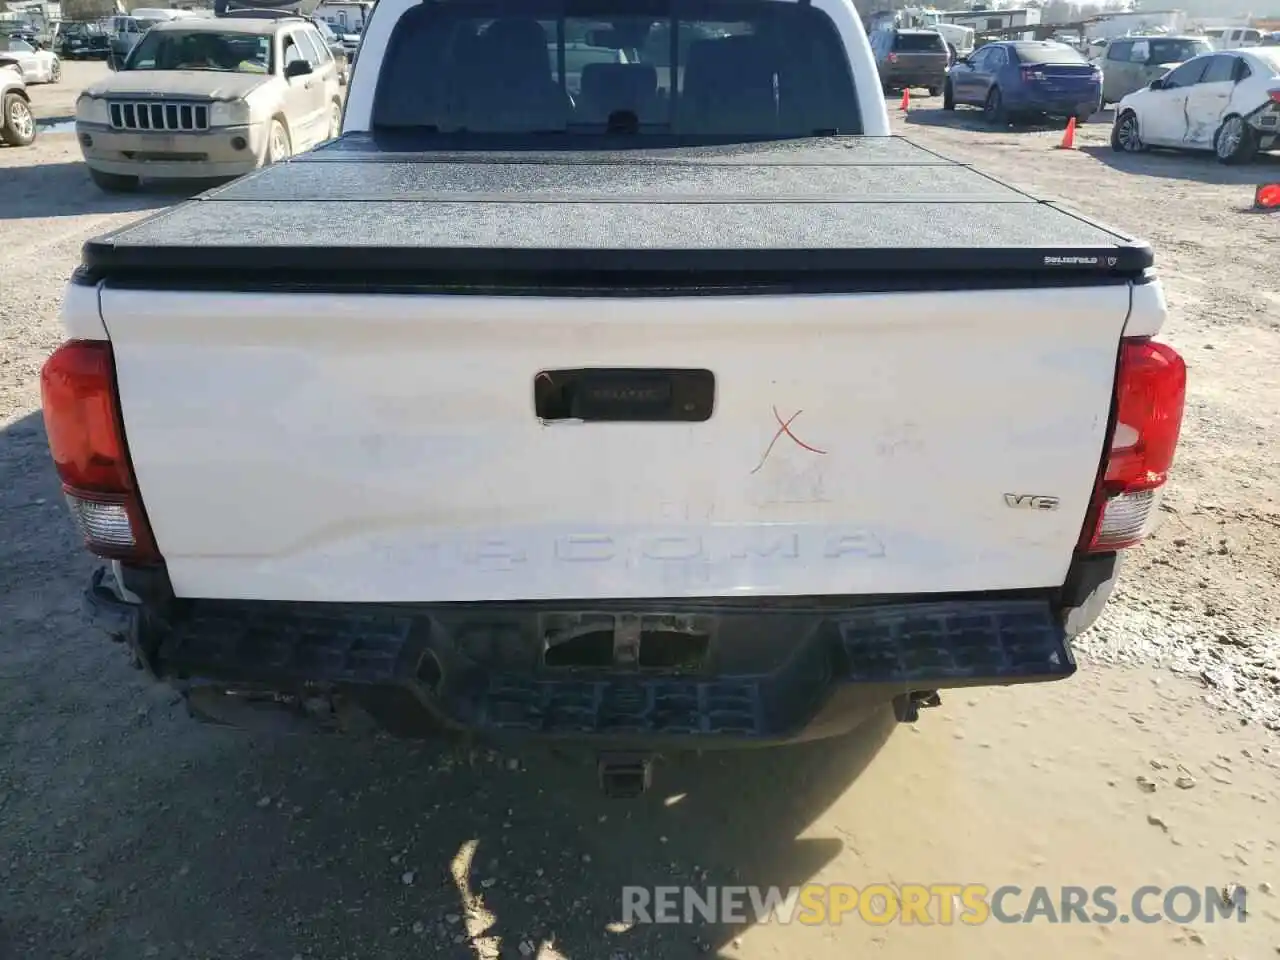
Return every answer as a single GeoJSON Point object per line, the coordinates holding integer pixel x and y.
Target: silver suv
{"type": "Point", "coordinates": [211, 98]}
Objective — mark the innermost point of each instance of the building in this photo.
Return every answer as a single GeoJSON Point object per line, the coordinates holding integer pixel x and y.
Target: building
{"type": "Point", "coordinates": [983, 20]}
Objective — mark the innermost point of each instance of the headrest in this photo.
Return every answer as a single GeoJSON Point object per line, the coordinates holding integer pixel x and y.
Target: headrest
{"type": "Point", "coordinates": [619, 86]}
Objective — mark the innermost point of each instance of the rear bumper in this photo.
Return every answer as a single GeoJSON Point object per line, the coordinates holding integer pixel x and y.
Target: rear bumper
{"type": "Point", "coordinates": [767, 671]}
{"type": "Point", "coordinates": [1266, 123]}
{"type": "Point", "coordinates": [1084, 102]}
{"type": "Point", "coordinates": [894, 76]}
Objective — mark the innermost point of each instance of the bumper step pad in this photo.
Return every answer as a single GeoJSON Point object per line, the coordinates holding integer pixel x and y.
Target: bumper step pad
{"type": "Point", "coordinates": [883, 650]}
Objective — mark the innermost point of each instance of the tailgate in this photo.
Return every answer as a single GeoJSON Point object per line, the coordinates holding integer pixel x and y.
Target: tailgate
{"type": "Point", "coordinates": [380, 447]}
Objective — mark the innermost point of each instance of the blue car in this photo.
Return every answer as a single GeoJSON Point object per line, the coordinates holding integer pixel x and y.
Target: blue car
{"type": "Point", "coordinates": [1025, 79]}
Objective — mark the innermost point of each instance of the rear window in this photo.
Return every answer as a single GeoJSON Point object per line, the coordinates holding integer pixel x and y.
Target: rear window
{"type": "Point", "coordinates": [1269, 56]}
{"type": "Point", "coordinates": [1057, 54]}
{"type": "Point", "coordinates": [919, 42]}
{"type": "Point", "coordinates": [632, 68]}
{"type": "Point", "coordinates": [1176, 51]}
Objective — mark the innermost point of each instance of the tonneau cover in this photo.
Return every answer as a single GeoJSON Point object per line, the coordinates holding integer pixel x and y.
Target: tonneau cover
{"type": "Point", "coordinates": [836, 204]}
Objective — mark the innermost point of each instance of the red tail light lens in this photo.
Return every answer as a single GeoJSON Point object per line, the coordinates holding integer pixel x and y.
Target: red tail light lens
{"type": "Point", "coordinates": [893, 58]}
{"type": "Point", "coordinates": [1151, 387]}
{"type": "Point", "coordinates": [1274, 95]}
{"type": "Point", "coordinates": [1031, 73]}
{"type": "Point", "coordinates": [86, 439]}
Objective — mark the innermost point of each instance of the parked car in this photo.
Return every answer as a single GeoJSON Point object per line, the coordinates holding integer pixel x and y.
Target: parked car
{"type": "Point", "coordinates": [1024, 79]}
{"type": "Point", "coordinates": [37, 66]}
{"type": "Point", "coordinates": [207, 98]}
{"type": "Point", "coordinates": [911, 58]}
{"type": "Point", "coordinates": [23, 32]}
{"type": "Point", "coordinates": [86, 40]}
{"type": "Point", "coordinates": [1240, 37]}
{"type": "Point", "coordinates": [125, 31]}
{"type": "Point", "coordinates": [483, 418]}
{"type": "Point", "coordinates": [17, 124]}
{"type": "Point", "coordinates": [1131, 63]}
{"type": "Point", "coordinates": [1227, 102]}
{"type": "Point", "coordinates": [341, 55]}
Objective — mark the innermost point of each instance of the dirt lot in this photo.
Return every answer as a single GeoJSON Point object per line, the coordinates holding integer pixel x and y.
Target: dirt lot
{"type": "Point", "coordinates": [127, 832]}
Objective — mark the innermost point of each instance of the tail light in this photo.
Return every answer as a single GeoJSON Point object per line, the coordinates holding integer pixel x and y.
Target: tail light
{"type": "Point", "coordinates": [892, 58]}
{"type": "Point", "coordinates": [1151, 386]}
{"type": "Point", "coordinates": [1031, 73]}
{"type": "Point", "coordinates": [86, 439]}
{"type": "Point", "coordinates": [1274, 95]}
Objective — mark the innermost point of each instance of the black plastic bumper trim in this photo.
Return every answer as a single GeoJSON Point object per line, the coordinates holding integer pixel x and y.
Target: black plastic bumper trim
{"type": "Point", "coordinates": [853, 654]}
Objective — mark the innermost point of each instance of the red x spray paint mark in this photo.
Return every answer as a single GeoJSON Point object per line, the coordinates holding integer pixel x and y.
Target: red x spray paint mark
{"type": "Point", "coordinates": [784, 426]}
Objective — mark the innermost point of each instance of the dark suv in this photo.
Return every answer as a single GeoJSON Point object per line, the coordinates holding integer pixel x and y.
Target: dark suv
{"type": "Point", "coordinates": [911, 58]}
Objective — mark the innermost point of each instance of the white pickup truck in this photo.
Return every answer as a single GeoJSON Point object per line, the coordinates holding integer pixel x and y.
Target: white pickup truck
{"type": "Point", "coordinates": [677, 412]}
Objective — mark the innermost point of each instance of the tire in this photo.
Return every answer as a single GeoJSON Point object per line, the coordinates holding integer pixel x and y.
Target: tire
{"type": "Point", "coordinates": [1125, 135]}
{"type": "Point", "coordinates": [933, 91]}
{"type": "Point", "coordinates": [55, 71]}
{"type": "Point", "coordinates": [278, 146]}
{"type": "Point", "coordinates": [948, 97]}
{"type": "Point", "coordinates": [993, 109]}
{"type": "Point", "coordinates": [1235, 142]}
{"type": "Point", "coordinates": [113, 182]}
{"type": "Point", "coordinates": [335, 120]}
{"type": "Point", "coordinates": [17, 125]}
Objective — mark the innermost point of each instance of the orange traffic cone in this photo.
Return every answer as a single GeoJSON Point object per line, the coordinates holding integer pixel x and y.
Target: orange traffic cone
{"type": "Point", "coordinates": [1267, 197]}
{"type": "Point", "coordinates": [906, 101]}
{"type": "Point", "coordinates": [1069, 136]}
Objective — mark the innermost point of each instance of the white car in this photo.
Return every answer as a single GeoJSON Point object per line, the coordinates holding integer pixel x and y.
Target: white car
{"type": "Point", "coordinates": [36, 66]}
{"type": "Point", "coordinates": [1227, 102]}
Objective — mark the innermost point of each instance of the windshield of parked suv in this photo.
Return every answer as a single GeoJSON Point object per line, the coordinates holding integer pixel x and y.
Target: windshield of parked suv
{"type": "Point", "coordinates": [202, 50]}
{"type": "Point", "coordinates": [1176, 51]}
{"type": "Point", "coordinates": [723, 69]}
{"type": "Point", "coordinates": [1050, 54]}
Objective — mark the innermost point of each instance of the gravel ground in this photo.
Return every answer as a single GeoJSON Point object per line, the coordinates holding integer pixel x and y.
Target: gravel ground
{"type": "Point", "coordinates": [127, 831]}
{"type": "Point", "coordinates": [1206, 600]}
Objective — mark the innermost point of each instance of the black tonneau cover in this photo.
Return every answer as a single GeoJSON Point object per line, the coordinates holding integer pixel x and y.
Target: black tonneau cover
{"type": "Point", "coordinates": [847, 206]}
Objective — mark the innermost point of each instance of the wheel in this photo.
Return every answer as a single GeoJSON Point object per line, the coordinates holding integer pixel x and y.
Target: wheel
{"type": "Point", "coordinates": [113, 182]}
{"type": "Point", "coordinates": [933, 91]}
{"type": "Point", "coordinates": [993, 109]}
{"type": "Point", "coordinates": [948, 97]}
{"type": "Point", "coordinates": [1235, 142]}
{"type": "Point", "coordinates": [335, 120]}
{"type": "Point", "coordinates": [55, 71]}
{"type": "Point", "coordinates": [278, 147]}
{"type": "Point", "coordinates": [1124, 135]}
{"type": "Point", "coordinates": [17, 125]}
